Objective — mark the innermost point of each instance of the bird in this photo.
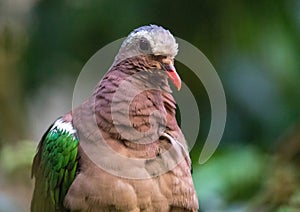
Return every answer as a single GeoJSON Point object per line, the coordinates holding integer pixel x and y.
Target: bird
{"type": "Point", "coordinates": [121, 149]}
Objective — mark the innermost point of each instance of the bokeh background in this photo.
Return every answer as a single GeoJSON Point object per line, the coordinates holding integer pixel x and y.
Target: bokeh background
{"type": "Point", "coordinates": [254, 46]}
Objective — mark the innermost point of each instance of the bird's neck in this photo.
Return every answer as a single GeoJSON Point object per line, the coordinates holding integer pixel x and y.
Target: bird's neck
{"type": "Point", "coordinates": [129, 94]}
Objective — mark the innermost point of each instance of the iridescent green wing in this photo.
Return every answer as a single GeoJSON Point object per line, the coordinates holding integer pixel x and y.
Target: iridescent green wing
{"type": "Point", "coordinates": [54, 167]}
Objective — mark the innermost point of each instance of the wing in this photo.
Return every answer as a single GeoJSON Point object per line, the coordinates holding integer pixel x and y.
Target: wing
{"type": "Point", "coordinates": [54, 166]}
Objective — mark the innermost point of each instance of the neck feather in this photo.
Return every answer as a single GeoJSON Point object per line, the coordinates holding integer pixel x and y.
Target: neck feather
{"type": "Point", "coordinates": [133, 89]}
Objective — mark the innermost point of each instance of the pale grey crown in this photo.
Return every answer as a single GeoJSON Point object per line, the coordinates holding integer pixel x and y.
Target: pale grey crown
{"type": "Point", "coordinates": [150, 39]}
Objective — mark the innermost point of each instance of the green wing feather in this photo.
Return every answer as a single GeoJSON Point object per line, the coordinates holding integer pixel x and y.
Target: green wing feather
{"type": "Point", "coordinates": [54, 168]}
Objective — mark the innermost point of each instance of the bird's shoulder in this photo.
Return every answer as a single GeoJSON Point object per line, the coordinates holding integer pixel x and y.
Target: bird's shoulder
{"type": "Point", "coordinates": [55, 164]}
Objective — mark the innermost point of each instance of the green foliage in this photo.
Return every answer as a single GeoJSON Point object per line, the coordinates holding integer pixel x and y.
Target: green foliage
{"type": "Point", "coordinates": [16, 160]}
{"type": "Point", "coordinates": [232, 175]}
{"type": "Point", "coordinates": [293, 204]}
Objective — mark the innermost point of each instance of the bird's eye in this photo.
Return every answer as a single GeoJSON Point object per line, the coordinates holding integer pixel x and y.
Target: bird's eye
{"type": "Point", "coordinates": [144, 44]}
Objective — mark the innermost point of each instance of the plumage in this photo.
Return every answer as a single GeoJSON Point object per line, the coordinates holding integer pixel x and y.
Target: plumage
{"type": "Point", "coordinates": [131, 113]}
{"type": "Point", "coordinates": [55, 165]}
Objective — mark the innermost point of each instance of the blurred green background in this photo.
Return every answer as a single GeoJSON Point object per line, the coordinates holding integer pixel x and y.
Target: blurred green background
{"type": "Point", "coordinates": [254, 46]}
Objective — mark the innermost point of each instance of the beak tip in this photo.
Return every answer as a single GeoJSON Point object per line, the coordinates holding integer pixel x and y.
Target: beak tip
{"type": "Point", "coordinates": [178, 86]}
{"type": "Point", "coordinates": [173, 75]}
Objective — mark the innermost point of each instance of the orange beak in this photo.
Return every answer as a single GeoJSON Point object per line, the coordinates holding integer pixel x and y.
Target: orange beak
{"type": "Point", "coordinates": [174, 77]}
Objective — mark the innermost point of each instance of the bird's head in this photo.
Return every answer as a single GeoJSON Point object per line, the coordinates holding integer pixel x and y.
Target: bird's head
{"type": "Point", "coordinates": [153, 41]}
